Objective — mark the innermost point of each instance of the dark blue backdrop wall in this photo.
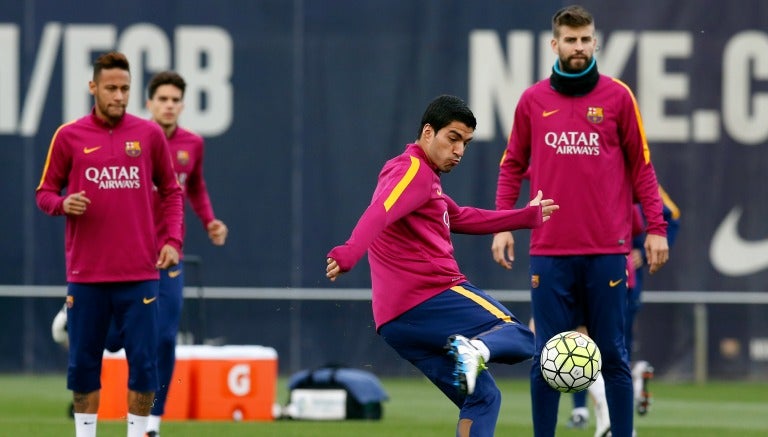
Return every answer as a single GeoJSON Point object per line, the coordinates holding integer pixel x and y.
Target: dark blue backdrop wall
{"type": "Point", "coordinates": [301, 102]}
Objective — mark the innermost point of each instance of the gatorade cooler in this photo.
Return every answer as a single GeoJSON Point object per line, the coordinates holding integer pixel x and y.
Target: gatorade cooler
{"type": "Point", "coordinates": [234, 382]}
{"type": "Point", "coordinates": [113, 402]}
{"type": "Point", "coordinates": [114, 386]}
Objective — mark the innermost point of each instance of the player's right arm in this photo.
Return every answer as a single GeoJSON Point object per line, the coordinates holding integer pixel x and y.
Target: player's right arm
{"type": "Point", "coordinates": [54, 178]}
{"type": "Point", "coordinates": [400, 191]}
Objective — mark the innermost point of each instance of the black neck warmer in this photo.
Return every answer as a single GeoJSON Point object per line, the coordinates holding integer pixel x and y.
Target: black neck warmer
{"type": "Point", "coordinates": [574, 84]}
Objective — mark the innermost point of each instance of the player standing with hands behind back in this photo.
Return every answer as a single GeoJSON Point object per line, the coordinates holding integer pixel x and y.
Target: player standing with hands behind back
{"type": "Point", "coordinates": [166, 101]}
{"type": "Point", "coordinates": [580, 135]}
{"type": "Point", "coordinates": [110, 162]}
{"type": "Point", "coordinates": [420, 297]}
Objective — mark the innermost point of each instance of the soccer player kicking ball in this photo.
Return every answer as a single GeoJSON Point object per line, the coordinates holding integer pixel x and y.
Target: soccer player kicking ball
{"type": "Point", "coordinates": [420, 297]}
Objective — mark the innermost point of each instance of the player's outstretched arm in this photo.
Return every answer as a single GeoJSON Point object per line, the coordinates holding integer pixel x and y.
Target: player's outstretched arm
{"type": "Point", "coordinates": [503, 246]}
{"type": "Point", "coordinates": [547, 205]}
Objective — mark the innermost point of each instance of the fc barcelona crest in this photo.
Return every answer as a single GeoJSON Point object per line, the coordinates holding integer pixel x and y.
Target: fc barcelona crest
{"type": "Point", "coordinates": [132, 148]}
{"type": "Point", "coordinates": [595, 114]}
{"type": "Point", "coordinates": [534, 281]}
{"type": "Point", "coordinates": [182, 157]}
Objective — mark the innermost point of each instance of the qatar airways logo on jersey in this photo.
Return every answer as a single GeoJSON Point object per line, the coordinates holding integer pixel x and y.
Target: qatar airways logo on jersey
{"type": "Point", "coordinates": [573, 143]}
{"type": "Point", "coordinates": [114, 177]}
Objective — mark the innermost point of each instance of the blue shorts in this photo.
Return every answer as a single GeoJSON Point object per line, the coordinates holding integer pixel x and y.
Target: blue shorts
{"type": "Point", "coordinates": [567, 291]}
{"type": "Point", "coordinates": [420, 334]}
{"type": "Point", "coordinates": [170, 302]}
{"type": "Point", "coordinates": [90, 309]}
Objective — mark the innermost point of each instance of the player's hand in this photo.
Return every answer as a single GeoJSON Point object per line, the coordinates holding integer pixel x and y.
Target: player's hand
{"type": "Point", "coordinates": [503, 249]}
{"type": "Point", "coordinates": [547, 206]}
{"type": "Point", "coordinates": [217, 232]}
{"type": "Point", "coordinates": [657, 251]}
{"type": "Point", "coordinates": [169, 257]}
{"type": "Point", "coordinates": [636, 258]}
{"type": "Point", "coordinates": [332, 270]}
{"type": "Point", "coordinates": [76, 203]}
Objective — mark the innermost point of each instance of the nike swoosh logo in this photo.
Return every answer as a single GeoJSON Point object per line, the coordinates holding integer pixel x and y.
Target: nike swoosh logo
{"type": "Point", "coordinates": [614, 283]}
{"type": "Point", "coordinates": [149, 300]}
{"type": "Point", "coordinates": [732, 255]}
{"type": "Point", "coordinates": [88, 150]}
{"type": "Point", "coordinates": [439, 192]}
{"type": "Point", "coordinates": [174, 273]}
{"type": "Point", "coordinates": [548, 113]}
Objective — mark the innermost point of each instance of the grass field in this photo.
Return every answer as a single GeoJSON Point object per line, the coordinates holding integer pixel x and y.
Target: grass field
{"type": "Point", "coordinates": [36, 405]}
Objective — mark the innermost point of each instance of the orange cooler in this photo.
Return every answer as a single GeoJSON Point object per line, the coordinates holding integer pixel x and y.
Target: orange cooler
{"type": "Point", "coordinates": [114, 386]}
{"type": "Point", "coordinates": [209, 383]}
{"type": "Point", "coordinates": [234, 382]}
{"type": "Point", "coordinates": [113, 403]}
{"type": "Point", "coordinates": [181, 385]}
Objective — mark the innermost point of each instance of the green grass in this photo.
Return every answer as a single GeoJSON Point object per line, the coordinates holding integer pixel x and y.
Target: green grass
{"type": "Point", "coordinates": [36, 405]}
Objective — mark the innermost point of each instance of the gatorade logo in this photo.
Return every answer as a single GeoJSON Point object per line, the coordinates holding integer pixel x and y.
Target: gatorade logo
{"type": "Point", "coordinates": [239, 379]}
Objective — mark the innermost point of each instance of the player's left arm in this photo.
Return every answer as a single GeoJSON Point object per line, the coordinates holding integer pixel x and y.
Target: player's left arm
{"type": "Point", "coordinates": [404, 189]}
{"type": "Point", "coordinates": [644, 182]}
{"type": "Point", "coordinates": [197, 192]}
{"type": "Point", "coordinates": [470, 220]}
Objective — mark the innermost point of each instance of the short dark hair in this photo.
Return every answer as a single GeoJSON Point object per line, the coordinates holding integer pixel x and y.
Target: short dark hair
{"type": "Point", "coordinates": [571, 16]}
{"type": "Point", "coordinates": [108, 61]}
{"type": "Point", "coordinates": [446, 109]}
{"type": "Point", "coordinates": [166, 78]}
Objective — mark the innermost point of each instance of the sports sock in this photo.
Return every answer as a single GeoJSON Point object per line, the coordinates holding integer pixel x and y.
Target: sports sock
{"type": "Point", "coordinates": [580, 411]}
{"type": "Point", "coordinates": [484, 352]}
{"type": "Point", "coordinates": [137, 425]}
{"type": "Point", "coordinates": [597, 390]}
{"type": "Point", "coordinates": [85, 425]}
{"type": "Point", "coordinates": [153, 423]}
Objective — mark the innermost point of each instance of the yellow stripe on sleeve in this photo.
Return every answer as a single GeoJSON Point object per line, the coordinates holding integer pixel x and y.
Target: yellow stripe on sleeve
{"type": "Point", "coordinates": [483, 303]}
{"type": "Point", "coordinates": [669, 203]}
{"type": "Point", "coordinates": [400, 187]}
{"type": "Point", "coordinates": [646, 150]}
{"type": "Point", "coordinates": [48, 157]}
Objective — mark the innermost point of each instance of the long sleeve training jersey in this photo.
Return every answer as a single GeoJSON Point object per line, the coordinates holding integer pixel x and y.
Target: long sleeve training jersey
{"type": "Point", "coordinates": [118, 167]}
{"type": "Point", "coordinates": [588, 153]}
{"type": "Point", "coordinates": [406, 231]}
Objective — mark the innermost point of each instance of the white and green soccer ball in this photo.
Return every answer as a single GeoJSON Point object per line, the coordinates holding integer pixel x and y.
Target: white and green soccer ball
{"type": "Point", "coordinates": [570, 362]}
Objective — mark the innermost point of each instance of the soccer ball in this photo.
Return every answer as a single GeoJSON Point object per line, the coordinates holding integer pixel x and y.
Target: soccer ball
{"type": "Point", "coordinates": [570, 362]}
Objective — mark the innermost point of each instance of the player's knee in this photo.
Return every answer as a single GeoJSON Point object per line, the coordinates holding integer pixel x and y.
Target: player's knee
{"type": "Point", "coordinates": [490, 397]}
{"type": "Point", "coordinates": [526, 341]}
